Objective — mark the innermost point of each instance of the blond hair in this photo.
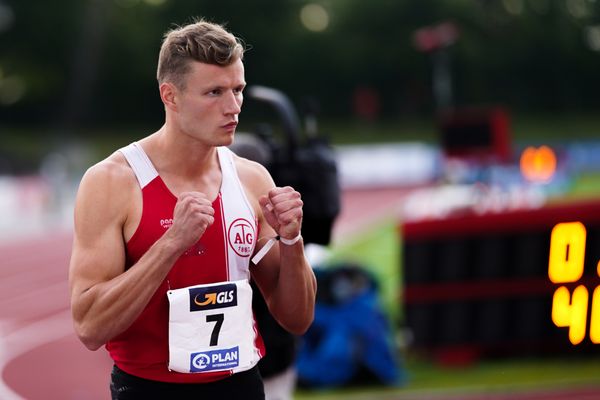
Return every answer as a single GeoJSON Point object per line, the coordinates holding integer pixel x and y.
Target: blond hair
{"type": "Point", "coordinates": [200, 41]}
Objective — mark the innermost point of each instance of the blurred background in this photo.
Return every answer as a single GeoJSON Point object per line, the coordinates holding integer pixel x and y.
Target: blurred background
{"type": "Point", "coordinates": [465, 139]}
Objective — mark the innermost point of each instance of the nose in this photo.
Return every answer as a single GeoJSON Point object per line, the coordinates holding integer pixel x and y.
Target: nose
{"type": "Point", "coordinates": [233, 103]}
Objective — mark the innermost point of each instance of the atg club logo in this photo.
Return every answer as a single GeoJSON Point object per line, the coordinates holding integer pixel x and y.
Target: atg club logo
{"type": "Point", "coordinates": [241, 237]}
{"type": "Point", "coordinates": [211, 297]}
{"type": "Point", "coordinates": [214, 360]}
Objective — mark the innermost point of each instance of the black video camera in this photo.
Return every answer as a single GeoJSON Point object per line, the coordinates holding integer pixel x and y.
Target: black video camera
{"type": "Point", "coordinates": [305, 162]}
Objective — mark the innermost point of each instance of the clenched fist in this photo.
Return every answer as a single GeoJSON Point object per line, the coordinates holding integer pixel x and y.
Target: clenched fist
{"type": "Point", "coordinates": [282, 208]}
{"type": "Point", "coordinates": [193, 214]}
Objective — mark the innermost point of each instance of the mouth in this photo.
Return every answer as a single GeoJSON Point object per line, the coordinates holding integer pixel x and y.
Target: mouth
{"type": "Point", "coordinates": [231, 125]}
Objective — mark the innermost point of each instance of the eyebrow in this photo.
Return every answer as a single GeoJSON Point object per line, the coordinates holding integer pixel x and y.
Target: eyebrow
{"type": "Point", "coordinates": [221, 87]}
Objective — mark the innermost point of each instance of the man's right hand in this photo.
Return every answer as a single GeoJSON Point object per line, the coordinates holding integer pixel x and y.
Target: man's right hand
{"type": "Point", "coordinates": [193, 214]}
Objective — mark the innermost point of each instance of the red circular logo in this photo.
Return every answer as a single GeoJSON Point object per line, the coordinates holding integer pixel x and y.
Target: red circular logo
{"type": "Point", "coordinates": [241, 237]}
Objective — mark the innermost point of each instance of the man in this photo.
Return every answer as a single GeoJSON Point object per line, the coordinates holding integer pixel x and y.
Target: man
{"type": "Point", "coordinates": [164, 232]}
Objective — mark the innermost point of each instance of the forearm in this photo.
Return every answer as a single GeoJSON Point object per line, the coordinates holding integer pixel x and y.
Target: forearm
{"type": "Point", "coordinates": [108, 308]}
{"type": "Point", "coordinates": [293, 301]}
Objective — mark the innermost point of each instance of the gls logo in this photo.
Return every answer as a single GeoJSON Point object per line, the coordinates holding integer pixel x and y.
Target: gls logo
{"type": "Point", "coordinates": [211, 297]}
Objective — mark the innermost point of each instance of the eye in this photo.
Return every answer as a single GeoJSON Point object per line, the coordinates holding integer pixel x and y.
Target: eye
{"type": "Point", "coordinates": [215, 92]}
{"type": "Point", "coordinates": [239, 89]}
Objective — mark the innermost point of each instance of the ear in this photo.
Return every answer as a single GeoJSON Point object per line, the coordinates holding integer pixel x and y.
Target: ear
{"type": "Point", "coordinates": [169, 95]}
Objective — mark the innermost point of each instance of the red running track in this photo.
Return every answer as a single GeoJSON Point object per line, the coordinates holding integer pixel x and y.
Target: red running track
{"type": "Point", "coordinates": [40, 357]}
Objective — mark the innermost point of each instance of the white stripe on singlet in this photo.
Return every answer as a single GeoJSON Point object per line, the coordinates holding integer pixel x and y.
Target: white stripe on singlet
{"type": "Point", "coordinates": [235, 207]}
{"type": "Point", "coordinates": [140, 163]}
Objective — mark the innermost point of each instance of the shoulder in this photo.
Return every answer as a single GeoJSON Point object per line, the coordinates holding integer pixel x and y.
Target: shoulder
{"type": "Point", "coordinates": [111, 173]}
{"type": "Point", "coordinates": [107, 185]}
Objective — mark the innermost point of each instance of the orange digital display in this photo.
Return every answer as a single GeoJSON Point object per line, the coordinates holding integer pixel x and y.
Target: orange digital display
{"type": "Point", "coordinates": [595, 317]}
{"type": "Point", "coordinates": [566, 265]}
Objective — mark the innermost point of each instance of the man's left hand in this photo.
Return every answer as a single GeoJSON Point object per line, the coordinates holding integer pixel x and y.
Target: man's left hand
{"type": "Point", "coordinates": [282, 208]}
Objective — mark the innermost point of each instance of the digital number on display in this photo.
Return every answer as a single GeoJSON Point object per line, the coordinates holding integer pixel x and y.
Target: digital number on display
{"type": "Point", "coordinates": [566, 265]}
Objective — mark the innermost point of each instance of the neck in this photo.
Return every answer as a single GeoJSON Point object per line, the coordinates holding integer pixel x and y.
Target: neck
{"type": "Point", "coordinates": [181, 155]}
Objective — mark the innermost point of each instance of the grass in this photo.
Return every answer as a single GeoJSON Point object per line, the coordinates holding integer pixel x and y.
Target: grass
{"type": "Point", "coordinates": [378, 250]}
{"type": "Point", "coordinates": [503, 374]}
{"type": "Point", "coordinates": [583, 187]}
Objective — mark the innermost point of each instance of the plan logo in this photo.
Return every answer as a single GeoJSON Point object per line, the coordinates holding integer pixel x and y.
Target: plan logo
{"type": "Point", "coordinates": [215, 360]}
{"type": "Point", "coordinates": [241, 237]}
{"type": "Point", "coordinates": [212, 297]}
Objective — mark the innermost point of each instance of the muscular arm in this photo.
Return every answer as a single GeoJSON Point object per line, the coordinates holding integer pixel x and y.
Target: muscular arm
{"type": "Point", "coordinates": [289, 291]}
{"type": "Point", "coordinates": [284, 276]}
{"type": "Point", "coordinates": [106, 299]}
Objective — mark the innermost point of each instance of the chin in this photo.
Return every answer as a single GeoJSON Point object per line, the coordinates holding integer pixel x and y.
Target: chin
{"type": "Point", "coordinates": [228, 140]}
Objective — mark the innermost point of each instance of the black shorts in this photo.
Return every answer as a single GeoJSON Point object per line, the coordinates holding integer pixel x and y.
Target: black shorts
{"type": "Point", "coordinates": [243, 385]}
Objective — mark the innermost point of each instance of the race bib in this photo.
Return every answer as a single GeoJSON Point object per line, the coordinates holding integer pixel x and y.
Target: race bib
{"type": "Point", "coordinates": [211, 328]}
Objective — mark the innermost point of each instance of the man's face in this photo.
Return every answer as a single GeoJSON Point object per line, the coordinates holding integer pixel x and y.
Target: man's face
{"type": "Point", "coordinates": [211, 102]}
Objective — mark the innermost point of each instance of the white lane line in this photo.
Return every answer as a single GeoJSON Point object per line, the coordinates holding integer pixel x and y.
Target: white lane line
{"type": "Point", "coordinates": [27, 338]}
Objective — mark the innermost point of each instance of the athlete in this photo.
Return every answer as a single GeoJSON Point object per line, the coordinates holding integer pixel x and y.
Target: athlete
{"type": "Point", "coordinates": [165, 231]}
